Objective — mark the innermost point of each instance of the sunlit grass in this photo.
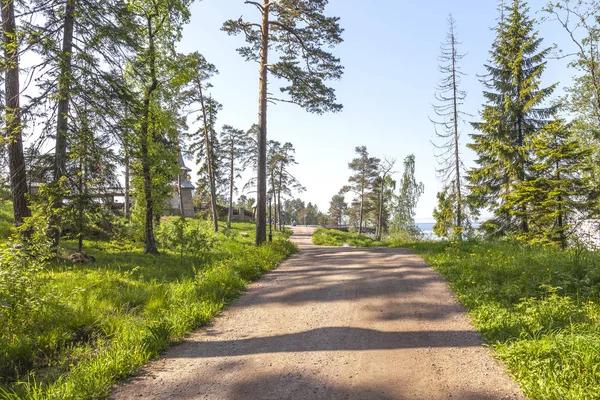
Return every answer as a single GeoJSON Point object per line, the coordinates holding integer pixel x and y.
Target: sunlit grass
{"type": "Point", "coordinates": [538, 307]}
{"type": "Point", "coordinates": [332, 237]}
{"type": "Point", "coordinates": [98, 322]}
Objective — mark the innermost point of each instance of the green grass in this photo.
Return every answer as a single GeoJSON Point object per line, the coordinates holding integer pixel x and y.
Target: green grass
{"type": "Point", "coordinates": [332, 237]}
{"type": "Point", "coordinates": [6, 218]}
{"type": "Point", "coordinates": [96, 323]}
{"type": "Point", "coordinates": [538, 307]}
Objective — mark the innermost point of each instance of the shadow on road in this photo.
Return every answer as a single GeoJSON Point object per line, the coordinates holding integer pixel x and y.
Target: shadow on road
{"type": "Point", "coordinates": [331, 339]}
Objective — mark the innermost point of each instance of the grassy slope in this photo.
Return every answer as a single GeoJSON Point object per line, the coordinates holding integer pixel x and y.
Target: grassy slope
{"type": "Point", "coordinates": [101, 321]}
{"type": "Point", "coordinates": [538, 307]}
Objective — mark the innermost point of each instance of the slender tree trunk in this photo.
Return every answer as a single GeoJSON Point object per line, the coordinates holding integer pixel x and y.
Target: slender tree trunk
{"type": "Point", "coordinates": [380, 219]}
{"type": "Point", "coordinates": [126, 205]}
{"type": "Point", "coordinates": [62, 120]}
{"type": "Point", "coordinates": [261, 184]}
{"type": "Point", "coordinates": [231, 173]}
{"type": "Point", "coordinates": [209, 162]}
{"type": "Point", "coordinates": [362, 203]}
{"type": "Point", "coordinates": [150, 245]}
{"type": "Point", "coordinates": [16, 159]}
{"type": "Point", "coordinates": [279, 208]}
{"type": "Point", "coordinates": [456, 155]}
{"type": "Point", "coordinates": [180, 194]}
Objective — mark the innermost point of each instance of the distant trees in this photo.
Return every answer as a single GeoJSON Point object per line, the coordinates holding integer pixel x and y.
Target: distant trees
{"type": "Point", "coordinates": [337, 209]}
{"type": "Point", "coordinates": [205, 144]}
{"type": "Point", "coordinates": [298, 31]}
{"type": "Point", "coordinates": [450, 98]}
{"type": "Point", "coordinates": [234, 157]}
{"type": "Point", "coordinates": [365, 170]}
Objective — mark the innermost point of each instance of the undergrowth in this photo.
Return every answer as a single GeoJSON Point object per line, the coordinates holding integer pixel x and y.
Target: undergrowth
{"type": "Point", "coordinates": [90, 325]}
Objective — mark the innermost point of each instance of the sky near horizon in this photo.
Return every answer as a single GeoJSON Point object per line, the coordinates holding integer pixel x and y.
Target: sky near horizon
{"type": "Point", "coordinates": [390, 55]}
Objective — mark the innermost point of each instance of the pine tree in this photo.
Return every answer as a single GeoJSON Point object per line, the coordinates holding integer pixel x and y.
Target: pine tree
{"type": "Point", "coordinates": [234, 145]}
{"type": "Point", "coordinates": [205, 143]}
{"type": "Point", "coordinates": [449, 99]}
{"type": "Point", "coordinates": [365, 170]}
{"type": "Point", "coordinates": [513, 113]}
{"type": "Point", "coordinates": [337, 209]}
{"type": "Point", "coordinates": [13, 137]}
{"type": "Point", "coordinates": [298, 31]}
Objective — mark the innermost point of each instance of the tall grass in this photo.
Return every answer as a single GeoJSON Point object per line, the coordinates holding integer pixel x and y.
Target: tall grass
{"type": "Point", "coordinates": [538, 307]}
{"type": "Point", "coordinates": [98, 322]}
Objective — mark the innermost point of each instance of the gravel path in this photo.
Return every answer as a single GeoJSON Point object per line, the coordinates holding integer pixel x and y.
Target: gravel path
{"type": "Point", "coordinates": [333, 323]}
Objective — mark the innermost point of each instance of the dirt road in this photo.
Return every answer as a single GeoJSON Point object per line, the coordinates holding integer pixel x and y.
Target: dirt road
{"type": "Point", "coordinates": [333, 323]}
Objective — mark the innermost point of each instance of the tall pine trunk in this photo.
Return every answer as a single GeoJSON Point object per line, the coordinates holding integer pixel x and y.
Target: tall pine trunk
{"type": "Point", "coordinates": [380, 216]}
{"type": "Point", "coordinates": [62, 120]}
{"type": "Point", "coordinates": [209, 162]}
{"type": "Point", "coordinates": [231, 175]}
{"type": "Point", "coordinates": [362, 205]}
{"type": "Point", "coordinates": [16, 159]}
{"type": "Point", "coordinates": [261, 185]}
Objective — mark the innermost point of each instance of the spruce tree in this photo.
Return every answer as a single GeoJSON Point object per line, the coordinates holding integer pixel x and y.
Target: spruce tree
{"type": "Point", "coordinates": [513, 113]}
{"type": "Point", "coordinates": [558, 189]}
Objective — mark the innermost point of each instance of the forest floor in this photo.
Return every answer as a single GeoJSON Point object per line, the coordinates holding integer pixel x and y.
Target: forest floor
{"type": "Point", "coordinates": [334, 323]}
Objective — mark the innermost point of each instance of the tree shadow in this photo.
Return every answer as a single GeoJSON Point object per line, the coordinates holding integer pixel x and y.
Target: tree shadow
{"type": "Point", "coordinates": [326, 339]}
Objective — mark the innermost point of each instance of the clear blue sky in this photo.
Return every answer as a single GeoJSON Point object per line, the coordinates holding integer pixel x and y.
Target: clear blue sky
{"type": "Point", "coordinates": [390, 55]}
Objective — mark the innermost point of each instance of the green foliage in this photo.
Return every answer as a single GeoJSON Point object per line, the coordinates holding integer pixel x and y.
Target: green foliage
{"type": "Point", "coordinates": [332, 237]}
{"type": "Point", "coordinates": [537, 306]}
{"type": "Point", "coordinates": [6, 219]}
{"type": "Point", "coordinates": [512, 115]}
{"type": "Point", "coordinates": [404, 209]}
{"type": "Point", "coordinates": [86, 326]}
{"type": "Point", "coordinates": [185, 237]}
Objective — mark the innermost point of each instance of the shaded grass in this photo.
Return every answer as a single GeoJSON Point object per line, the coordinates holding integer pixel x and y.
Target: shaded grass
{"type": "Point", "coordinates": [538, 307]}
{"type": "Point", "coordinates": [6, 218]}
{"type": "Point", "coordinates": [98, 322]}
{"type": "Point", "coordinates": [332, 237]}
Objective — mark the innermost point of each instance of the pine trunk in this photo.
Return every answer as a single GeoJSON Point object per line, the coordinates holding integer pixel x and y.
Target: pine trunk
{"type": "Point", "coordinates": [150, 245]}
{"type": "Point", "coordinates": [16, 159]}
{"type": "Point", "coordinates": [209, 162]}
{"type": "Point", "coordinates": [231, 174]}
{"type": "Point", "coordinates": [62, 120]}
{"type": "Point", "coordinates": [261, 189]}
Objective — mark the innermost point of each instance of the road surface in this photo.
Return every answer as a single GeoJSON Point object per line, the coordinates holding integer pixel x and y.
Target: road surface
{"type": "Point", "coordinates": [333, 323]}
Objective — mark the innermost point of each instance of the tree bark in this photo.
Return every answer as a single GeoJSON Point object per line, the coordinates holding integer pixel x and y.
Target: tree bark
{"type": "Point", "coordinates": [380, 219]}
{"type": "Point", "coordinates": [126, 204]}
{"type": "Point", "coordinates": [209, 161]}
{"type": "Point", "coordinates": [261, 184]}
{"type": "Point", "coordinates": [362, 203]}
{"type": "Point", "coordinates": [62, 120]}
{"type": "Point", "coordinates": [231, 173]}
{"type": "Point", "coordinates": [150, 245]}
{"type": "Point", "coordinates": [456, 155]}
{"type": "Point", "coordinates": [16, 159]}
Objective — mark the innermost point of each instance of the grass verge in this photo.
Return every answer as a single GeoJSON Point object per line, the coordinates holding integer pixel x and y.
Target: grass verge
{"type": "Point", "coordinates": [96, 323]}
{"type": "Point", "coordinates": [332, 237]}
{"type": "Point", "coordinates": [538, 307]}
